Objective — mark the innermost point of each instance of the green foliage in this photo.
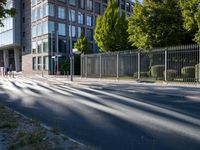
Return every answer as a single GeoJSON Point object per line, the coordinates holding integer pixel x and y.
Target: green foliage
{"type": "Point", "coordinates": [188, 72]}
{"type": "Point", "coordinates": [157, 71]}
{"type": "Point", "coordinates": [191, 16]}
{"type": "Point", "coordinates": [171, 74]}
{"type": "Point", "coordinates": [83, 45]}
{"type": "Point", "coordinates": [65, 66]}
{"type": "Point", "coordinates": [32, 140]}
{"type": "Point", "coordinates": [197, 71]}
{"type": "Point", "coordinates": [142, 74]}
{"type": "Point", "coordinates": [4, 13]}
{"type": "Point", "coordinates": [156, 24]}
{"type": "Point", "coordinates": [111, 29]}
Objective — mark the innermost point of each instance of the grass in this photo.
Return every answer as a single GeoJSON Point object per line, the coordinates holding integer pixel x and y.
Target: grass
{"type": "Point", "coordinates": [23, 134]}
{"type": "Point", "coordinates": [55, 130]}
{"type": "Point", "coordinates": [32, 140]}
{"type": "Point", "coordinates": [8, 125]}
{"type": "Point", "coordinates": [7, 121]}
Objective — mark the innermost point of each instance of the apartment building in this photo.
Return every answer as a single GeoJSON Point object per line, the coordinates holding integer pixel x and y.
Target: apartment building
{"type": "Point", "coordinates": [10, 39]}
{"type": "Point", "coordinates": [42, 29]}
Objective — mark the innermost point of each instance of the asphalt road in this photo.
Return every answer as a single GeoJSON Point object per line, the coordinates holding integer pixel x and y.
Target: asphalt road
{"type": "Point", "coordinates": [106, 118]}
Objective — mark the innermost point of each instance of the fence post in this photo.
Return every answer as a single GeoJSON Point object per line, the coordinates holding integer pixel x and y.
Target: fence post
{"type": "Point", "coordinates": [199, 64]}
{"type": "Point", "coordinates": [100, 69]}
{"type": "Point", "coordinates": [86, 67]}
{"type": "Point", "coordinates": [117, 66]}
{"type": "Point", "coordinates": [166, 64]}
{"type": "Point", "coordinates": [138, 65]}
{"type": "Point", "coordinates": [81, 65]}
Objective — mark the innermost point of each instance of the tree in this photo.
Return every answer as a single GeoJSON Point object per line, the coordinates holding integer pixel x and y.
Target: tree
{"type": "Point", "coordinates": [156, 24]}
{"type": "Point", "coordinates": [111, 29]}
{"type": "Point", "coordinates": [5, 12]}
{"type": "Point", "coordinates": [191, 14]}
{"type": "Point", "coordinates": [83, 45]}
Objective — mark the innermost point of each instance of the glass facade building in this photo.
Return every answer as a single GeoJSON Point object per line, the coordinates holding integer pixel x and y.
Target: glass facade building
{"type": "Point", "coordinates": [10, 41]}
{"type": "Point", "coordinates": [42, 29]}
{"type": "Point", "coordinates": [53, 22]}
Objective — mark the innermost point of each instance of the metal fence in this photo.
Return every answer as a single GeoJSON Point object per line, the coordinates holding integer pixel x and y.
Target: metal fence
{"type": "Point", "coordinates": [178, 63]}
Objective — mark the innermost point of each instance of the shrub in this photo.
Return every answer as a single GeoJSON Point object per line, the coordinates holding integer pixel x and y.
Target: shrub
{"type": "Point", "coordinates": [142, 74]}
{"type": "Point", "coordinates": [171, 74]}
{"type": "Point", "coordinates": [157, 71]}
{"type": "Point", "coordinates": [64, 66]}
{"type": "Point", "coordinates": [197, 71]}
{"type": "Point", "coordinates": [188, 72]}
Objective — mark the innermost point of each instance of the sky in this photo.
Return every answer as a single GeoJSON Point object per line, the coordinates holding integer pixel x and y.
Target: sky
{"type": "Point", "coordinates": [140, 1]}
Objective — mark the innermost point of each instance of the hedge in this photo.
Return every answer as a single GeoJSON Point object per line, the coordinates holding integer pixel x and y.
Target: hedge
{"type": "Point", "coordinates": [171, 74]}
{"type": "Point", "coordinates": [142, 74]}
{"type": "Point", "coordinates": [197, 71]}
{"type": "Point", "coordinates": [188, 72]}
{"type": "Point", "coordinates": [157, 71]}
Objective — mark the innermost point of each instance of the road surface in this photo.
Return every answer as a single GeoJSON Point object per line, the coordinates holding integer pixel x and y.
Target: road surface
{"type": "Point", "coordinates": [142, 117]}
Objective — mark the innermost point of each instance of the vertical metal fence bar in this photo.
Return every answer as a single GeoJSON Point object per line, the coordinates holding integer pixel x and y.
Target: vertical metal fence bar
{"type": "Point", "coordinates": [82, 65]}
{"type": "Point", "coordinates": [139, 65]}
{"type": "Point", "coordinates": [100, 69]}
{"type": "Point", "coordinates": [117, 66]}
{"type": "Point", "coordinates": [86, 67]}
{"type": "Point", "coordinates": [165, 64]}
{"type": "Point", "coordinates": [199, 65]}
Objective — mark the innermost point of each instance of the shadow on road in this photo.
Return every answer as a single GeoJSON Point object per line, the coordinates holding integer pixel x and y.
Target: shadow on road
{"type": "Point", "coordinates": [110, 119]}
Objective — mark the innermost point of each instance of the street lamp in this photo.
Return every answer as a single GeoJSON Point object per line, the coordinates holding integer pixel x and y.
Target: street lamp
{"type": "Point", "coordinates": [42, 68]}
{"type": "Point", "coordinates": [56, 56]}
{"type": "Point", "coordinates": [71, 51]}
{"type": "Point", "coordinates": [76, 51]}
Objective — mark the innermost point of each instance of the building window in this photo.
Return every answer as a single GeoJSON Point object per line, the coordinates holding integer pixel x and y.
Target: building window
{"type": "Point", "coordinates": [34, 47]}
{"type": "Point", "coordinates": [81, 4]}
{"type": "Point", "coordinates": [89, 5]}
{"type": "Point", "coordinates": [40, 63]}
{"type": "Point", "coordinates": [46, 62]}
{"type": "Point", "coordinates": [61, 12]}
{"type": "Point", "coordinates": [51, 27]}
{"type": "Point", "coordinates": [34, 63]}
{"type": "Point", "coordinates": [80, 18]}
{"type": "Point", "coordinates": [45, 45]}
{"type": "Point", "coordinates": [38, 13]}
{"type": "Point", "coordinates": [34, 32]}
{"type": "Point", "coordinates": [33, 15]}
{"type": "Point", "coordinates": [72, 31]}
{"type": "Point", "coordinates": [39, 46]}
{"type": "Point", "coordinates": [45, 10]}
{"type": "Point", "coordinates": [62, 1]}
{"type": "Point", "coordinates": [8, 24]}
{"type": "Point", "coordinates": [33, 2]}
{"type": "Point", "coordinates": [72, 15]}
{"type": "Point", "coordinates": [62, 45]}
{"type": "Point", "coordinates": [39, 29]}
{"type": "Point", "coordinates": [89, 20]}
{"type": "Point", "coordinates": [72, 2]}
{"type": "Point", "coordinates": [80, 30]}
{"type": "Point", "coordinates": [62, 29]}
{"type": "Point", "coordinates": [128, 7]}
{"type": "Point", "coordinates": [105, 1]}
{"type": "Point", "coordinates": [104, 8]}
{"type": "Point", "coordinates": [89, 34]}
{"type": "Point", "coordinates": [97, 8]}
{"type": "Point", "coordinates": [51, 10]}
{"type": "Point", "coordinates": [123, 4]}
